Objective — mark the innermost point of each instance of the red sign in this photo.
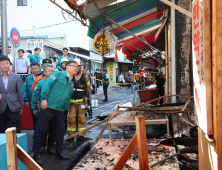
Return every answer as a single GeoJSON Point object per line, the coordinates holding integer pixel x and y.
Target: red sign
{"type": "Point", "coordinates": [200, 71]}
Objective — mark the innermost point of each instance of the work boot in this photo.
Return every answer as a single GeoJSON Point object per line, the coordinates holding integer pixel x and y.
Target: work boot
{"type": "Point", "coordinates": [81, 138]}
{"type": "Point", "coordinates": [37, 158]}
{"type": "Point", "coordinates": [61, 156]}
{"type": "Point", "coordinates": [51, 151]}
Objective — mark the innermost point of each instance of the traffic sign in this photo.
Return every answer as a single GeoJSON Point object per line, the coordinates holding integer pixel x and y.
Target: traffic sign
{"type": "Point", "coordinates": [15, 37]}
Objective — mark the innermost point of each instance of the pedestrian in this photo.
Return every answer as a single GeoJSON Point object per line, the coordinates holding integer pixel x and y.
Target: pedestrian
{"type": "Point", "coordinates": [97, 77]}
{"type": "Point", "coordinates": [41, 76]}
{"type": "Point", "coordinates": [55, 58]}
{"type": "Point", "coordinates": [105, 78]}
{"type": "Point", "coordinates": [160, 81]}
{"type": "Point", "coordinates": [93, 84]}
{"type": "Point", "coordinates": [65, 53]}
{"type": "Point", "coordinates": [11, 103]}
{"type": "Point", "coordinates": [79, 97]}
{"type": "Point", "coordinates": [36, 57]}
{"type": "Point", "coordinates": [55, 97]}
{"type": "Point", "coordinates": [129, 80]}
{"type": "Point", "coordinates": [28, 91]}
{"type": "Point", "coordinates": [121, 78]}
{"type": "Point", "coordinates": [28, 53]}
{"type": "Point", "coordinates": [137, 77]}
{"type": "Point", "coordinates": [100, 76]}
{"type": "Point", "coordinates": [9, 52]}
{"type": "Point", "coordinates": [89, 94]}
{"type": "Point", "coordinates": [36, 98]}
{"type": "Point", "coordinates": [22, 64]}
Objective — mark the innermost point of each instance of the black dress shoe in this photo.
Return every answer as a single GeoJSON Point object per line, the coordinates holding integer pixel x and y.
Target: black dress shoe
{"type": "Point", "coordinates": [51, 151]}
{"type": "Point", "coordinates": [61, 156]}
{"type": "Point", "coordinates": [37, 158]}
{"type": "Point", "coordinates": [43, 148]}
{"type": "Point", "coordinates": [105, 100]}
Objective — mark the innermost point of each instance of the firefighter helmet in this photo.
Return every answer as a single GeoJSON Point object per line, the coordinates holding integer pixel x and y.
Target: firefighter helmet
{"type": "Point", "coordinates": [78, 61]}
{"type": "Point", "coordinates": [64, 60]}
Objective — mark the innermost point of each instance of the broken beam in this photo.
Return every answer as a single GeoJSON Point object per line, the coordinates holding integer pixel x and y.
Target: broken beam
{"type": "Point", "coordinates": [177, 7]}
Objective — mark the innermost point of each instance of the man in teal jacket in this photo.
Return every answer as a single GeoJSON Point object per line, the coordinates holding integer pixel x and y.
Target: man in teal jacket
{"type": "Point", "coordinates": [55, 97]}
{"type": "Point", "coordinates": [35, 57]}
{"type": "Point", "coordinates": [28, 91]}
{"type": "Point", "coordinates": [65, 53]}
{"type": "Point", "coordinates": [47, 69]}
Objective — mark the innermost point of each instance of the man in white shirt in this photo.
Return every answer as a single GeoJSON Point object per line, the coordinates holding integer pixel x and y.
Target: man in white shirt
{"type": "Point", "coordinates": [22, 63]}
{"type": "Point", "coordinates": [121, 78]}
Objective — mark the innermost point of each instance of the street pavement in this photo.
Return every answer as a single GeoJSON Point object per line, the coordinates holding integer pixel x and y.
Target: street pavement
{"type": "Point", "coordinates": [77, 150]}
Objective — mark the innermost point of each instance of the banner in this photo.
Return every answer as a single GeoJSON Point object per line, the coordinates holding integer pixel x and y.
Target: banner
{"type": "Point", "coordinates": [31, 44]}
{"type": "Point", "coordinates": [111, 70]}
{"type": "Point", "coordinates": [201, 70]}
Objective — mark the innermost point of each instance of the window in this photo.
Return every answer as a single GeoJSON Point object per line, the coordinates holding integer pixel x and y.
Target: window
{"type": "Point", "coordinates": [22, 2]}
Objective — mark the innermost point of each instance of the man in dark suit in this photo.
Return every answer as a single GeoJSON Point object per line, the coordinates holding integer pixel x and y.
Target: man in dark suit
{"type": "Point", "coordinates": [11, 96]}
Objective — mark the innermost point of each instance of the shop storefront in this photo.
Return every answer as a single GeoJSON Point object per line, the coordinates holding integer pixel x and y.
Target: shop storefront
{"type": "Point", "coordinates": [125, 67]}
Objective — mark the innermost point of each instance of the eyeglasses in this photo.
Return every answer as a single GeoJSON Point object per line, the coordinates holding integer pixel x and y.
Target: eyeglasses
{"type": "Point", "coordinates": [6, 64]}
{"type": "Point", "coordinates": [73, 66]}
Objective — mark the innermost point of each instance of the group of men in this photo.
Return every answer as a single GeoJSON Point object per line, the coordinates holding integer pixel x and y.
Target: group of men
{"type": "Point", "coordinates": [51, 95]}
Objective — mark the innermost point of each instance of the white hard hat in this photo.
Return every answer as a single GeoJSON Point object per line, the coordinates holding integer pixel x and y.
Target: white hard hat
{"type": "Point", "coordinates": [78, 61]}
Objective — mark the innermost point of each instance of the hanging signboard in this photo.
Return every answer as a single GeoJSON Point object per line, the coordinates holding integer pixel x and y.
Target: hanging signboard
{"type": "Point", "coordinates": [98, 44]}
{"type": "Point", "coordinates": [201, 70]}
{"type": "Point", "coordinates": [110, 41]}
{"type": "Point", "coordinates": [31, 44]}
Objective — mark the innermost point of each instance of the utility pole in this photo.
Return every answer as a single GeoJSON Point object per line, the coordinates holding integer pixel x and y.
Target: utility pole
{"type": "Point", "coordinates": [4, 33]}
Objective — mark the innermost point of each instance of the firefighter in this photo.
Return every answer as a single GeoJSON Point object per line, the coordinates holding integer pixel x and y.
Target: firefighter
{"type": "Point", "coordinates": [105, 78]}
{"type": "Point", "coordinates": [76, 118]}
{"type": "Point", "coordinates": [54, 63]}
{"type": "Point", "coordinates": [63, 63]}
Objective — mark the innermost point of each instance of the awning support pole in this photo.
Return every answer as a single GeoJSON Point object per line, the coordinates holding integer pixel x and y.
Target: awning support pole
{"type": "Point", "coordinates": [103, 43]}
{"type": "Point", "coordinates": [113, 22]}
{"type": "Point", "coordinates": [173, 52]}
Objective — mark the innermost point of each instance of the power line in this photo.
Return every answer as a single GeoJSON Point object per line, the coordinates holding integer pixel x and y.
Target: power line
{"type": "Point", "coordinates": [47, 26]}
